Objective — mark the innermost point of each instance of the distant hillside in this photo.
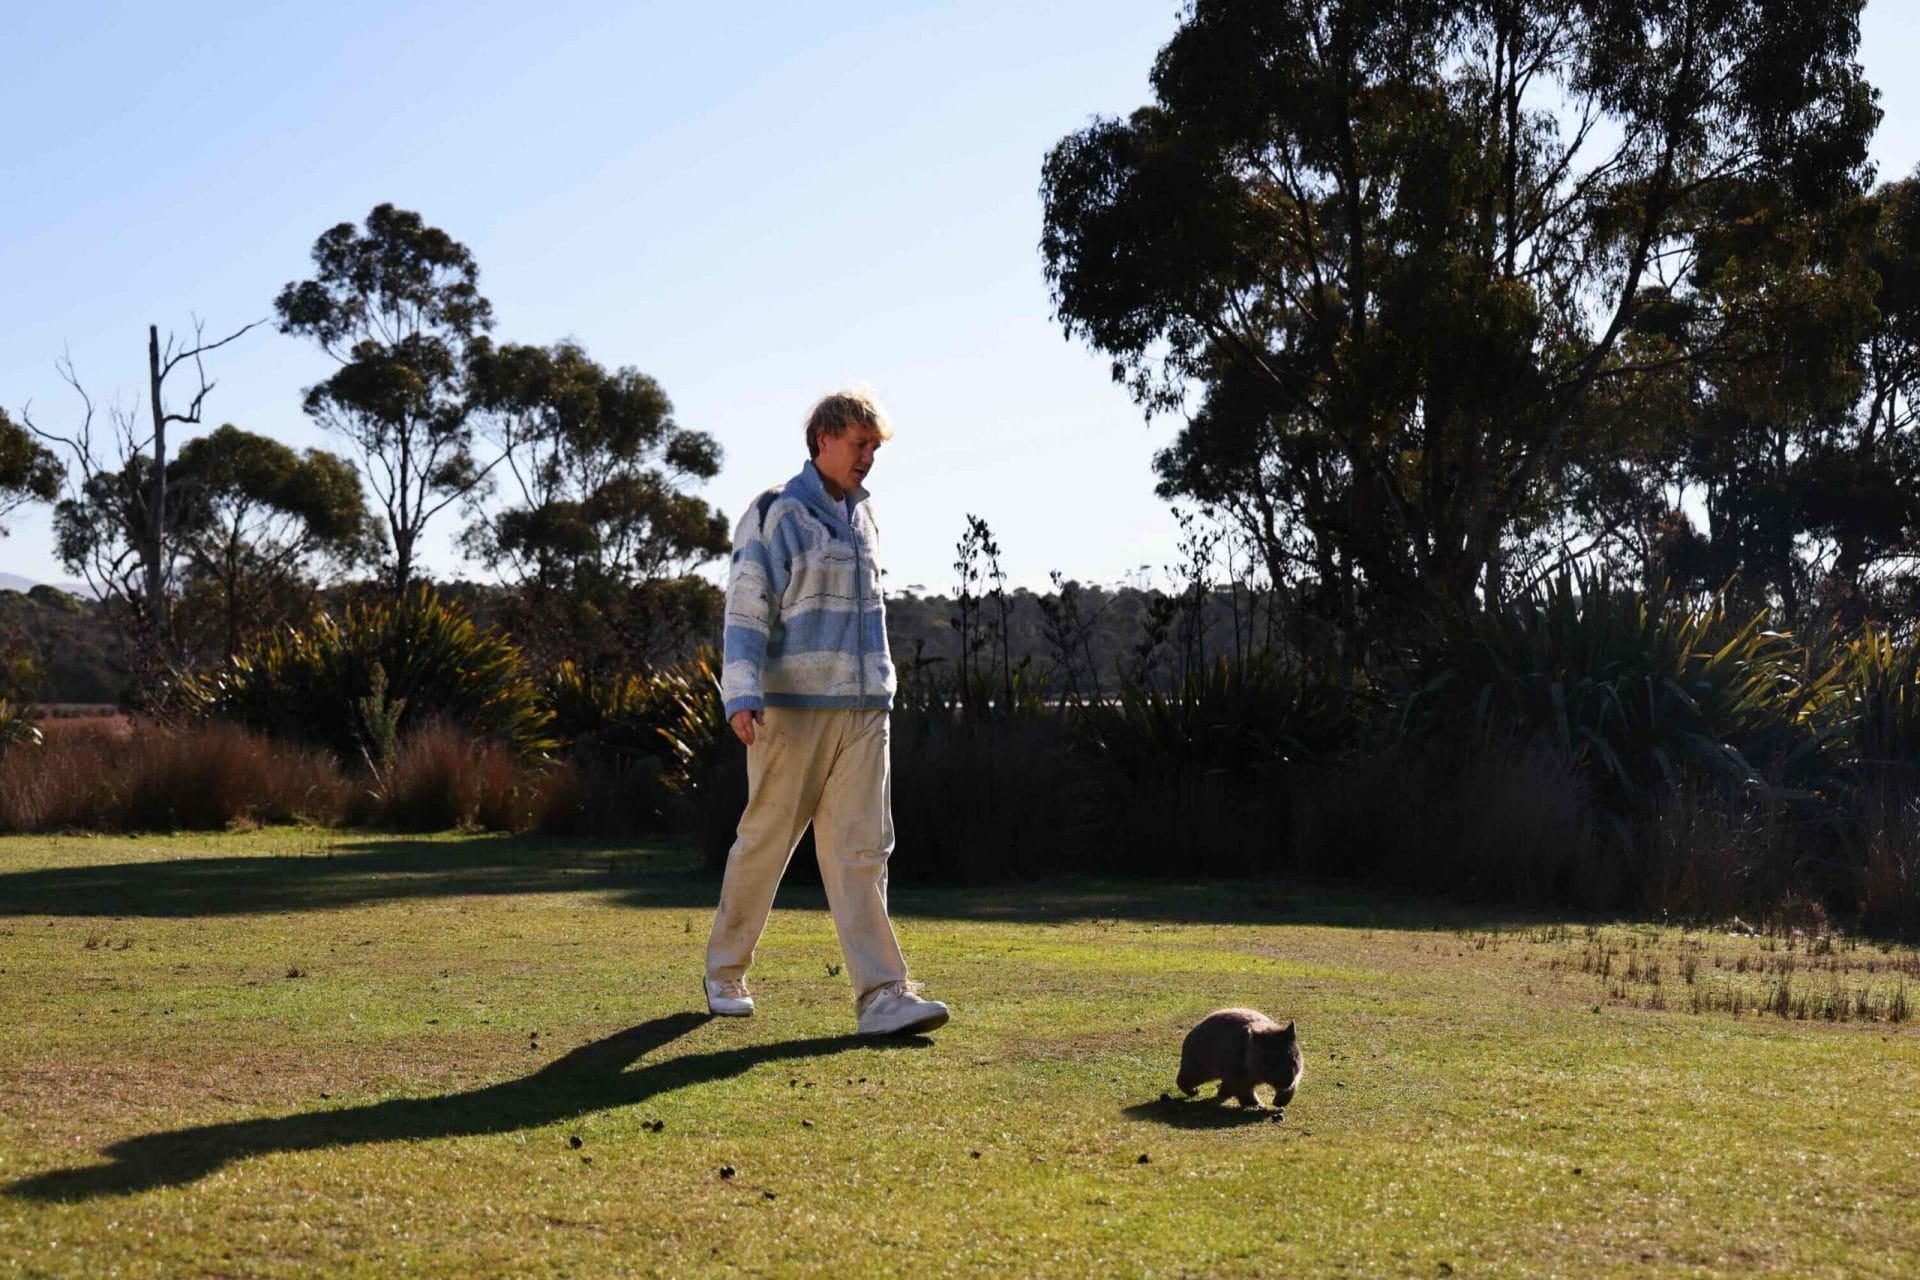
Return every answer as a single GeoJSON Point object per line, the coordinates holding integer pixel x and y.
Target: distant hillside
{"type": "Point", "coordinates": [78, 652]}
{"type": "Point", "coordinates": [14, 582]}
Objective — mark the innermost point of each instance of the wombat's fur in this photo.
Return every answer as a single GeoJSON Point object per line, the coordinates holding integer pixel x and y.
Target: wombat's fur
{"type": "Point", "coordinates": [1241, 1048]}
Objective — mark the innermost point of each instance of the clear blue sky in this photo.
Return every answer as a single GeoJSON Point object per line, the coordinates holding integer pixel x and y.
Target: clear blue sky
{"type": "Point", "coordinates": [752, 208]}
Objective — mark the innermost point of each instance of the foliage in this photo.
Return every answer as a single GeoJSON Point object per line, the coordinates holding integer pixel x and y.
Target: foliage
{"type": "Point", "coordinates": [1193, 774]}
{"type": "Point", "coordinates": [252, 515]}
{"type": "Point", "coordinates": [708, 769]}
{"type": "Point", "coordinates": [399, 308]}
{"type": "Point", "coordinates": [598, 465]}
{"type": "Point", "coordinates": [1390, 256]}
{"type": "Point", "coordinates": [1880, 716]}
{"type": "Point", "coordinates": [142, 776]}
{"type": "Point", "coordinates": [305, 683]}
{"type": "Point", "coordinates": [29, 472]}
{"type": "Point", "coordinates": [1644, 692]}
{"type": "Point", "coordinates": [76, 652]}
{"type": "Point", "coordinates": [16, 725]}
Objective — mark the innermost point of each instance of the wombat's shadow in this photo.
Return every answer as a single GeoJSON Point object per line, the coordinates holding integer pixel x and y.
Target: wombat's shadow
{"type": "Point", "coordinates": [1200, 1113]}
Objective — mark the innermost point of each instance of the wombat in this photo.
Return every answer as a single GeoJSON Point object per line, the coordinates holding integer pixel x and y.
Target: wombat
{"type": "Point", "coordinates": [1241, 1048]}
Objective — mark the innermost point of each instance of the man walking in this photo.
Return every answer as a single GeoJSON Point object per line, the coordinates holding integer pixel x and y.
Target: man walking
{"type": "Point", "coordinates": [808, 685]}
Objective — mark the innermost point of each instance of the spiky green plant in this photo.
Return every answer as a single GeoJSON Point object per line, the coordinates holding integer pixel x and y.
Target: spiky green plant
{"type": "Point", "coordinates": [17, 726]}
{"type": "Point", "coordinates": [1228, 716]}
{"type": "Point", "coordinates": [1879, 712]}
{"type": "Point", "coordinates": [619, 715]}
{"type": "Point", "coordinates": [305, 683]}
{"type": "Point", "coordinates": [1644, 691]}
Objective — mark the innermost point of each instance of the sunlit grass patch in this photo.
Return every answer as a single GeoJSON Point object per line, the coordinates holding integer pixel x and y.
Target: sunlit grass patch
{"type": "Point", "coordinates": [281, 1052]}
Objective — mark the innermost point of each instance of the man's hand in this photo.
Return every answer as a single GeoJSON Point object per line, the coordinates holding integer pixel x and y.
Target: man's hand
{"type": "Point", "coordinates": [743, 722]}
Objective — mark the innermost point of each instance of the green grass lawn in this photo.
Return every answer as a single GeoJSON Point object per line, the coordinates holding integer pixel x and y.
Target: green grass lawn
{"type": "Point", "coordinates": [284, 1051]}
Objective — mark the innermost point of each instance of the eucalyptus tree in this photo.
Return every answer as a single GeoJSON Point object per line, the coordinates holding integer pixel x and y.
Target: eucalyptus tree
{"type": "Point", "coordinates": [595, 526]}
{"type": "Point", "coordinates": [1801, 449]}
{"type": "Point", "coordinates": [1397, 256]}
{"type": "Point", "coordinates": [398, 307]}
{"type": "Point", "coordinates": [259, 520]}
{"type": "Point", "coordinates": [29, 471]}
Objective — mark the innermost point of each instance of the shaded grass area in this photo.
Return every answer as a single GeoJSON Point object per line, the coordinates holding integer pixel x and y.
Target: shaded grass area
{"type": "Point", "coordinates": [280, 1051]}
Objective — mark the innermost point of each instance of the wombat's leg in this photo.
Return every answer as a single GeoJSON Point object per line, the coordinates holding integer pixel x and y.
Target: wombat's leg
{"type": "Point", "coordinates": [1232, 1087]}
{"type": "Point", "coordinates": [1249, 1099]}
{"type": "Point", "coordinates": [1189, 1080]}
{"type": "Point", "coordinates": [1281, 1097]}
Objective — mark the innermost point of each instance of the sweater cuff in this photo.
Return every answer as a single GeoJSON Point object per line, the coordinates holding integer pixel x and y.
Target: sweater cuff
{"type": "Point", "coordinates": [745, 702]}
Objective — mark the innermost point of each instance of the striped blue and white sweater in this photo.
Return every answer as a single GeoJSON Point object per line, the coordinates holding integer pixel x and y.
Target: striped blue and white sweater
{"type": "Point", "coordinates": [806, 626]}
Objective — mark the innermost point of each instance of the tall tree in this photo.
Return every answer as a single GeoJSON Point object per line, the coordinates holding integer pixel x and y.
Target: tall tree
{"type": "Point", "coordinates": [1394, 250]}
{"type": "Point", "coordinates": [29, 471]}
{"type": "Point", "coordinates": [399, 307]}
{"type": "Point", "coordinates": [596, 530]}
{"type": "Point", "coordinates": [258, 519]}
{"type": "Point", "coordinates": [1802, 451]}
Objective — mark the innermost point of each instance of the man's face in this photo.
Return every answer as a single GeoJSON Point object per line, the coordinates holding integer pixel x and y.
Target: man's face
{"type": "Point", "coordinates": [845, 459]}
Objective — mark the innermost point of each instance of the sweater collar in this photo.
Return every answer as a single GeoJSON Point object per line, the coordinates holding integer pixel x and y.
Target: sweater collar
{"type": "Point", "coordinates": [813, 490]}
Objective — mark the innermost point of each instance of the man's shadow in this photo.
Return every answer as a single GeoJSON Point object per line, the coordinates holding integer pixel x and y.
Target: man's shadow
{"type": "Point", "coordinates": [592, 1078]}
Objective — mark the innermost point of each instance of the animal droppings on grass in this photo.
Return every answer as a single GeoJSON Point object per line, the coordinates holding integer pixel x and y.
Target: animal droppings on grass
{"type": "Point", "coordinates": [974, 1154]}
{"type": "Point", "coordinates": [576, 1141]}
{"type": "Point", "coordinates": [1144, 1159]}
{"type": "Point", "coordinates": [727, 1171]}
{"type": "Point", "coordinates": [767, 1194]}
{"type": "Point", "coordinates": [806, 1124]}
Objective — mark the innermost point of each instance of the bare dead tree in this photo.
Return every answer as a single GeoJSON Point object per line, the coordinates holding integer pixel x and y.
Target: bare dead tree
{"type": "Point", "coordinates": [112, 525]}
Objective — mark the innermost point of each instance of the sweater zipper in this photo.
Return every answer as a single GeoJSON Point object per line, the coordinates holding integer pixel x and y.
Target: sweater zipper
{"type": "Point", "coordinates": [859, 607]}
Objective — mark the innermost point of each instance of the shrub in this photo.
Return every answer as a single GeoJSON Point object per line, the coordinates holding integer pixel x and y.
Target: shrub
{"type": "Point", "coordinates": [611, 798]}
{"type": "Point", "coordinates": [1504, 821]}
{"type": "Point", "coordinates": [706, 769]}
{"type": "Point", "coordinates": [989, 798]}
{"type": "Point", "coordinates": [307, 684]}
{"type": "Point", "coordinates": [17, 726]}
{"type": "Point", "coordinates": [1640, 693]}
{"type": "Point", "coordinates": [1191, 778]}
{"type": "Point", "coordinates": [150, 778]}
{"type": "Point", "coordinates": [444, 779]}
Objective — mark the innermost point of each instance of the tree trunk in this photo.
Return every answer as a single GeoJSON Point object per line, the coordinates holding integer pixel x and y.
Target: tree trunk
{"type": "Point", "coordinates": [153, 552]}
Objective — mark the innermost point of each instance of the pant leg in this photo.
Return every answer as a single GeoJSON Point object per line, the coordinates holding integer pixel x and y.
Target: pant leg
{"type": "Point", "coordinates": [787, 766]}
{"type": "Point", "coordinates": [853, 836]}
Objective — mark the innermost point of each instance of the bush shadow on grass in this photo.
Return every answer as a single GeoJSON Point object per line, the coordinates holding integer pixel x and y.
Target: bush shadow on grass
{"type": "Point", "coordinates": [347, 873]}
{"type": "Point", "coordinates": [363, 870]}
{"type": "Point", "coordinates": [592, 1078]}
{"type": "Point", "coordinates": [1200, 1113]}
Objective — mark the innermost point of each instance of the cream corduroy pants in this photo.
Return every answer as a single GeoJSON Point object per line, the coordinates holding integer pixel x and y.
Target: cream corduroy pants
{"type": "Point", "coordinates": [831, 768]}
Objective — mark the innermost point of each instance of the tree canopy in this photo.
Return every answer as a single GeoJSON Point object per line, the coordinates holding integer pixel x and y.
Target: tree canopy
{"type": "Point", "coordinates": [29, 472]}
{"type": "Point", "coordinates": [1409, 264]}
{"type": "Point", "coordinates": [398, 306]}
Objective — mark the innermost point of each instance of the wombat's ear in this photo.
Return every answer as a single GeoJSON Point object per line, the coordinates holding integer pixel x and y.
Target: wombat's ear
{"type": "Point", "coordinates": [1288, 1028]}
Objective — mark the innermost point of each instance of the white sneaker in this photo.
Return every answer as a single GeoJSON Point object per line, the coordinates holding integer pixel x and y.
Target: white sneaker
{"type": "Point", "coordinates": [897, 1008]}
{"type": "Point", "coordinates": [729, 998]}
